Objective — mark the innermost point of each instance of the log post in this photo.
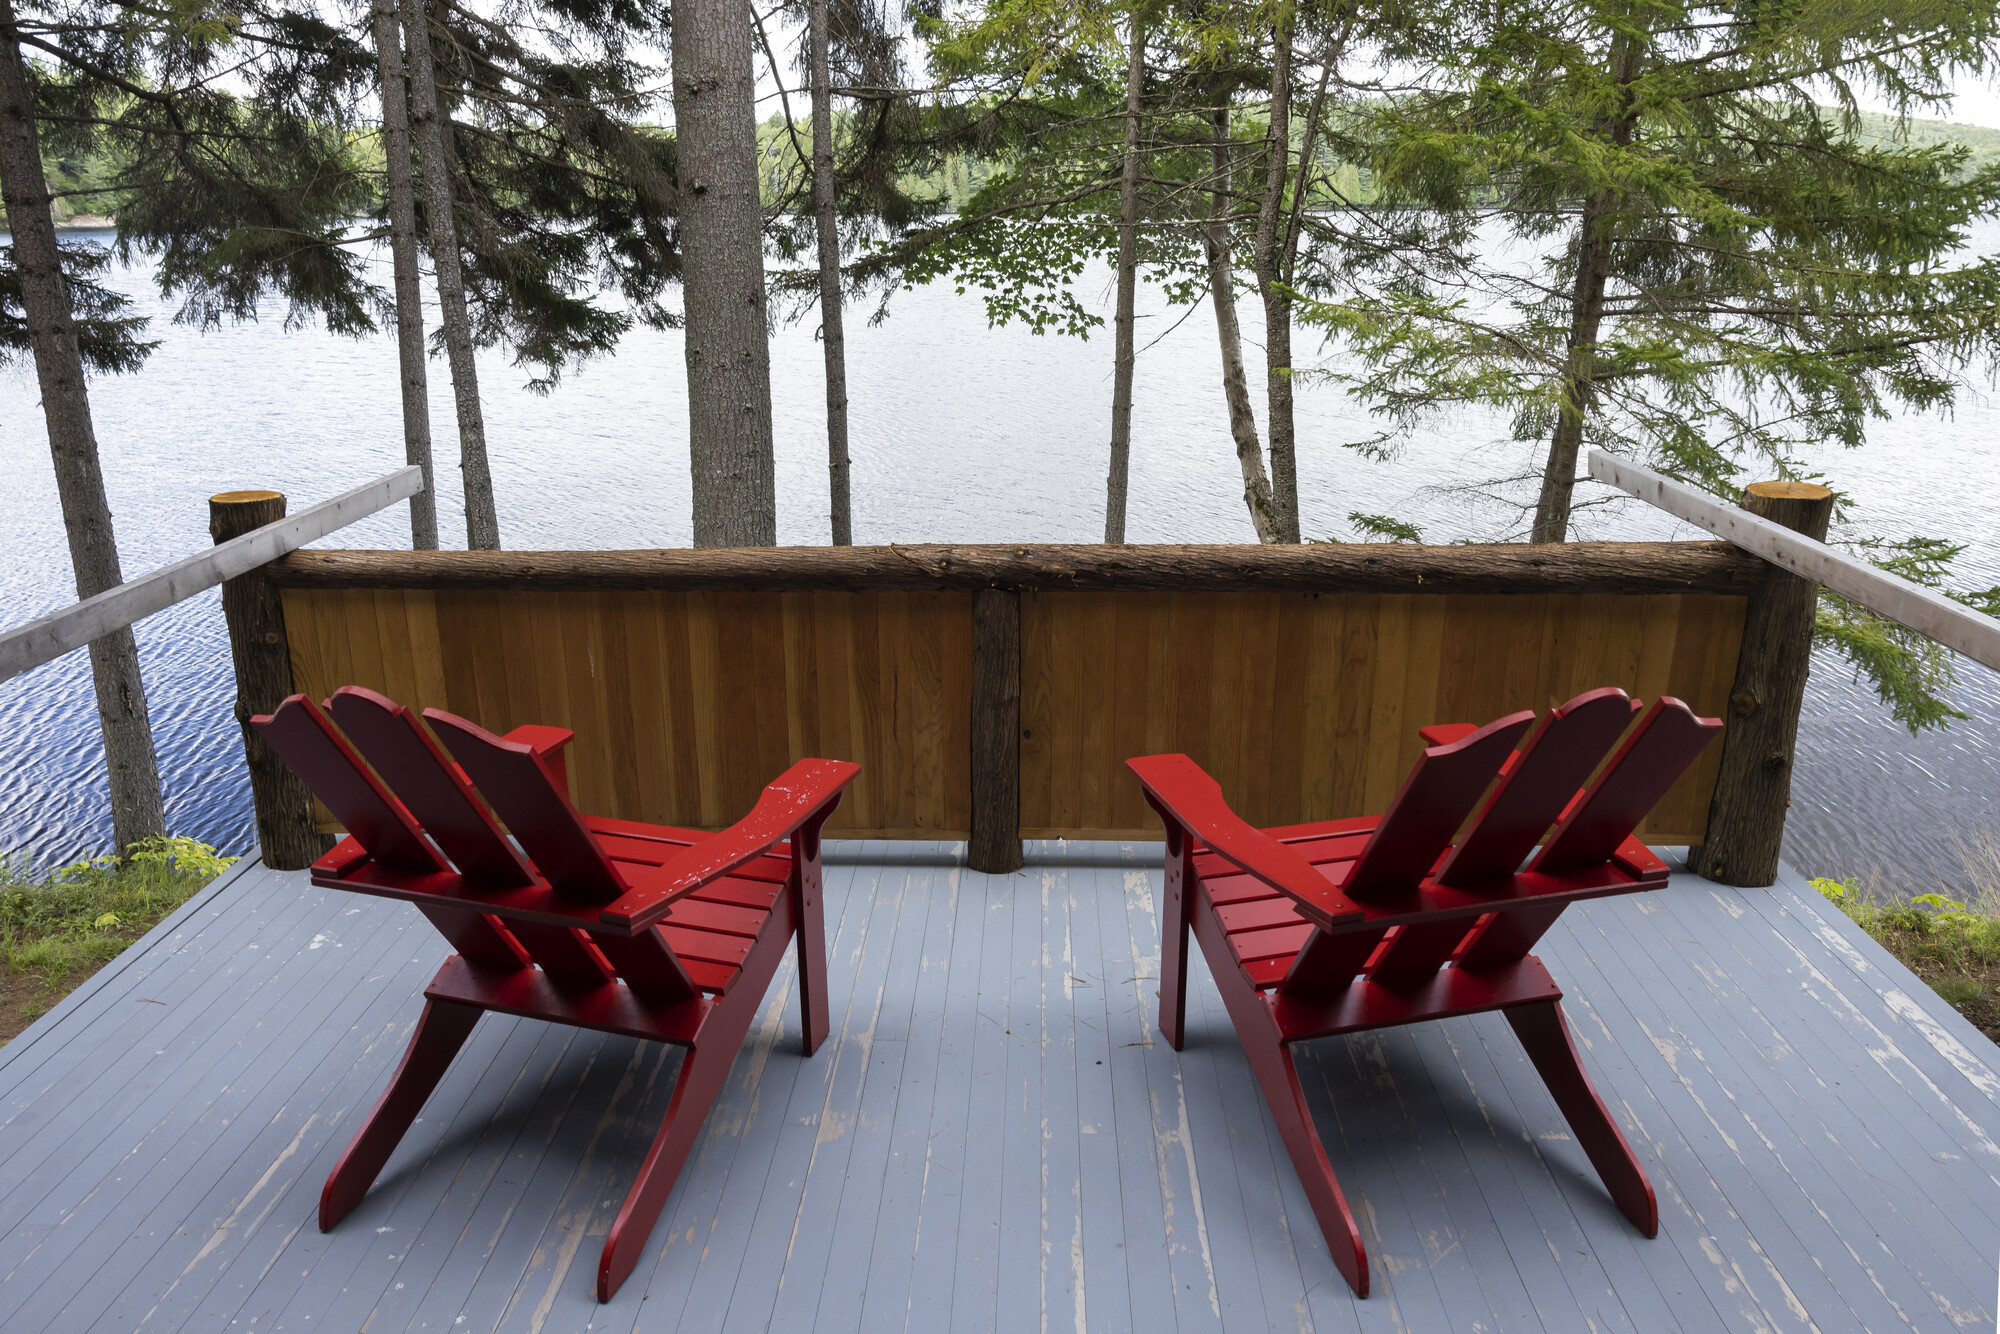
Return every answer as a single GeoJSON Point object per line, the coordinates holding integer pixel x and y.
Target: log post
{"type": "Point", "coordinates": [995, 845]}
{"type": "Point", "coordinates": [1746, 813]}
{"type": "Point", "coordinates": [286, 833]}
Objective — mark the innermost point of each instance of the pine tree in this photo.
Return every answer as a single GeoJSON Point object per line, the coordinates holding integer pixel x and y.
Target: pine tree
{"type": "Point", "coordinates": [1722, 268]}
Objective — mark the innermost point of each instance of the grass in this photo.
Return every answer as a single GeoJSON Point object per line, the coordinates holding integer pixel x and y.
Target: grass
{"type": "Point", "coordinates": [1954, 947]}
{"type": "Point", "coordinates": [58, 929]}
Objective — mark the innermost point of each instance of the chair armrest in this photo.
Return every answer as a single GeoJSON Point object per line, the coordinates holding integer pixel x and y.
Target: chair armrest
{"type": "Point", "coordinates": [804, 795]}
{"type": "Point", "coordinates": [1178, 788]}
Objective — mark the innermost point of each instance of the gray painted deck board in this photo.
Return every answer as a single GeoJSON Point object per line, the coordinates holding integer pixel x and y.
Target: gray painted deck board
{"type": "Point", "coordinates": [995, 1137]}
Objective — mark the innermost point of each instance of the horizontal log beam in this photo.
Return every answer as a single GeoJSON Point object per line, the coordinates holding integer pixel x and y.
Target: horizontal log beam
{"type": "Point", "coordinates": [1573, 567]}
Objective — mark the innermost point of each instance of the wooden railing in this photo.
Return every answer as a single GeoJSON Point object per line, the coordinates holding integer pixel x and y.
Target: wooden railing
{"type": "Point", "coordinates": [992, 692]}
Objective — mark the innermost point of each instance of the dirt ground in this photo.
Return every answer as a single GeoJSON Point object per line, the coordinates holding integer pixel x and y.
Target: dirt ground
{"type": "Point", "coordinates": [24, 998]}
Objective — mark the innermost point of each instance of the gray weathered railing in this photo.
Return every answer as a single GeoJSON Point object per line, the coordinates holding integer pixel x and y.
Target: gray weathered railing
{"type": "Point", "coordinates": [49, 637]}
{"type": "Point", "coordinates": [1925, 610]}
{"type": "Point", "coordinates": [1783, 523]}
{"type": "Point", "coordinates": [250, 531]}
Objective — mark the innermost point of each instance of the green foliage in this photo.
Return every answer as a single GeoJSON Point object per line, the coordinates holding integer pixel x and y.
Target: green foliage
{"type": "Point", "coordinates": [1910, 673]}
{"type": "Point", "coordinates": [1930, 932]}
{"type": "Point", "coordinates": [1638, 224]}
{"type": "Point", "coordinates": [106, 335]}
{"type": "Point", "coordinates": [1385, 528]}
{"type": "Point", "coordinates": [86, 913]}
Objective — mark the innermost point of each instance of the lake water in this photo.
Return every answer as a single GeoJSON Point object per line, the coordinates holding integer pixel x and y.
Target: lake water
{"type": "Point", "coordinates": [960, 433]}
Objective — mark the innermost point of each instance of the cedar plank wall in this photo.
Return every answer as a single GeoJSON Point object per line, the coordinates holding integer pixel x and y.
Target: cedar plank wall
{"type": "Point", "coordinates": [1304, 706]}
{"type": "Point", "coordinates": [684, 704]}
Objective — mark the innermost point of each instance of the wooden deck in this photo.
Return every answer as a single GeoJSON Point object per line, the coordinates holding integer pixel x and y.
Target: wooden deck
{"type": "Point", "coordinates": [995, 1139]}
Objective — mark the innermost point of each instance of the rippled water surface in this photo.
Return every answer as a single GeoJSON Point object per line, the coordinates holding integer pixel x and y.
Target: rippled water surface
{"type": "Point", "coordinates": [960, 433]}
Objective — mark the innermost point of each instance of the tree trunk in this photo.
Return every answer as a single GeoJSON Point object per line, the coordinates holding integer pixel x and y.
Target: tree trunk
{"type": "Point", "coordinates": [1124, 357]}
{"type": "Point", "coordinates": [482, 523]}
{"type": "Point", "coordinates": [726, 338]}
{"type": "Point", "coordinates": [833, 334]}
{"type": "Point", "coordinates": [1552, 508]}
{"type": "Point", "coordinates": [136, 810]}
{"type": "Point", "coordinates": [1277, 306]}
{"type": "Point", "coordinates": [409, 293]}
{"type": "Point", "coordinates": [1235, 386]}
{"type": "Point", "coordinates": [1593, 268]}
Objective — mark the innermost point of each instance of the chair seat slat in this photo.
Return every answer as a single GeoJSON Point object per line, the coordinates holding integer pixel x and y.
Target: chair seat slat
{"type": "Point", "coordinates": [743, 893]}
{"type": "Point", "coordinates": [728, 918]}
{"type": "Point", "coordinates": [1270, 943]}
{"type": "Point", "coordinates": [692, 943]}
{"type": "Point", "coordinates": [1257, 914]}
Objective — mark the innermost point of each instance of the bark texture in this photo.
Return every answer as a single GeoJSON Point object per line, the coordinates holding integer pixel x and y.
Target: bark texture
{"type": "Point", "coordinates": [1235, 385]}
{"type": "Point", "coordinates": [1753, 787]}
{"type": "Point", "coordinates": [287, 836]}
{"type": "Point", "coordinates": [833, 332]}
{"type": "Point", "coordinates": [482, 523]}
{"type": "Point", "coordinates": [1270, 285]}
{"type": "Point", "coordinates": [722, 254]}
{"type": "Point", "coordinates": [1125, 355]}
{"type": "Point", "coordinates": [1577, 567]}
{"type": "Point", "coordinates": [137, 811]}
{"type": "Point", "coordinates": [409, 291]}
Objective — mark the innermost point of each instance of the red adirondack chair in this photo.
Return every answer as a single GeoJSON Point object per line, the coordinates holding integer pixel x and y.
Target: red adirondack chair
{"type": "Point", "coordinates": [1320, 929]}
{"type": "Point", "coordinates": [666, 934]}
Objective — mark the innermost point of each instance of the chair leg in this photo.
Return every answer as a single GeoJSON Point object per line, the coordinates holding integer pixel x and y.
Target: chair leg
{"type": "Point", "coordinates": [809, 917]}
{"type": "Point", "coordinates": [1279, 1078]}
{"type": "Point", "coordinates": [441, 1031]}
{"type": "Point", "coordinates": [1175, 905]}
{"type": "Point", "coordinates": [701, 1077]}
{"type": "Point", "coordinates": [1550, 1046]}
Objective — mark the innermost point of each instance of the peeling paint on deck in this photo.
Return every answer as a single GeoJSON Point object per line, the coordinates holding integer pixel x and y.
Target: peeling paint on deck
{"type": "Point", "coordinates": [994, 1138]}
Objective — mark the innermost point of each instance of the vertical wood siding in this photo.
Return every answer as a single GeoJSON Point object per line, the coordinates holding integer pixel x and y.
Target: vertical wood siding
{"type": "Point", "coordinates": [1303, 706]}
{"type": "Point", "coordinates": [684, 704]}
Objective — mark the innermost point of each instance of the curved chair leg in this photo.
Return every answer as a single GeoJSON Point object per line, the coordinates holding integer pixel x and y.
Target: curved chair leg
{"type": "Point", "coordinates": [1279, 1078]}
{"type": "Point", "coordinates": [1546, 1036]}
{"type": "Point", "coordinates": [441, 1031]}
{"type": "Point", "coordinates": [701, 1077]}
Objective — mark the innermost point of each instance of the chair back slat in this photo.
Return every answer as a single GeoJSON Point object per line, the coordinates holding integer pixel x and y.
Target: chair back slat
{"type": "Point", "coordinates": [306, 740]}
{"type": "Point", "coordinates": [1328, 961]}
{"type": "Point", "coordinates": [1434, 801]}
{"type": "Point", "coordinates": [565, 954]}
{"type": "Point", "coordinates": [537, 812]}
{"type": "Point", "coordinates": [1546, 777]}
{"type": "Point", "coordinates": [1503, 937]}
{"type": "Point", "coordinates": [433, 789]}
{"type": "Point", "coordinates": [1664, 743]}
{"type": "Point", "coordinates": [1417, 952]}
{"type": "Point", "coordinates": [479, 937]}
{"type": "Point", "coordinates": [648, 965]}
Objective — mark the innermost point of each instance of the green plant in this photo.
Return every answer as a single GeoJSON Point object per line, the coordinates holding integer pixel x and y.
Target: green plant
{"type": "Point", "coordinates": [85, 913]}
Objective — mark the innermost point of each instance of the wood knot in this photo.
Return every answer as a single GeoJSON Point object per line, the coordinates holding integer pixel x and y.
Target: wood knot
{"type": "Point", "coordinates": [1744, 703]}
{"type": "Point", "coordinates": [1776, 761]}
